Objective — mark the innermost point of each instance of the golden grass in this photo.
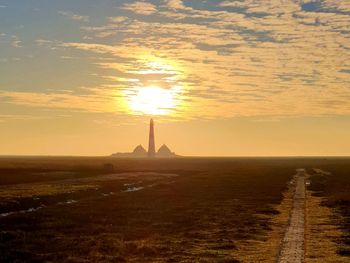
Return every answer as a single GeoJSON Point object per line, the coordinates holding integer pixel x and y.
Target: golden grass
{"type": "Point", "coordinates": [70, 185]}
{"type": "Point", "coordinates": [42, 189]}
{"type": "Point", "coordinates": [266, 249]}
{"type": "Point", "coordinates": [321, 232]}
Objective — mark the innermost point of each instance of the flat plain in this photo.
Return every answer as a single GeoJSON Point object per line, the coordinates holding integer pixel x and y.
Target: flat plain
{"type": "Point", "coordinates": [101, 209]}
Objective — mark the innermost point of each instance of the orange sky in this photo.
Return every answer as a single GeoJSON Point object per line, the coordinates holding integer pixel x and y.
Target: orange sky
{"type": "Point", "coordinates": [221, 78]}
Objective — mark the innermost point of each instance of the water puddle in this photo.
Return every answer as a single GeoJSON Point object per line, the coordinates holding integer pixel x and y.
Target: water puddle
{"type": "Point", "coordinates": [107, 194]}
{"type": "Point", "coordinates": [30, 210]}
{"type": "Point", "coordinates": [68, 202]}
{"type": "Point", "coordinates": [133, 189]}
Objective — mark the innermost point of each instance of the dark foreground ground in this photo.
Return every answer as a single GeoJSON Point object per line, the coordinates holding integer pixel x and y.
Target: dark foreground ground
{"type": "Point", "coordinates": [178, 210]}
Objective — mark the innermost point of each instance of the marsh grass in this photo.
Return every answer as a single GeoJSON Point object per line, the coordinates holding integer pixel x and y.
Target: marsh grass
{"type": "Point", "coordinates": [215, 210]}
{"type": "Point", "coordinates": [322, 229]}
{"type": "Point", "coordinates": [329, 217]}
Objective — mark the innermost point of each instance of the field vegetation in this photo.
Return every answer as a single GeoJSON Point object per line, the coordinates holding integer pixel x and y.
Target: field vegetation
{"type": "Point", "coordinates": [168, 210]}
{"type": "Point", "coordinates": [331, 182]}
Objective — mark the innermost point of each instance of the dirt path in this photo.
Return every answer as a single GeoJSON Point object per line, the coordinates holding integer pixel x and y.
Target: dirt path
{"type": "Point", "coordinates": [292, 247]}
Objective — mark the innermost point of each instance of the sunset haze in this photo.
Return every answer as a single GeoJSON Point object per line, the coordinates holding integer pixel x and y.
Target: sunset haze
{"type": "Point", "coordinates": [219, 78]}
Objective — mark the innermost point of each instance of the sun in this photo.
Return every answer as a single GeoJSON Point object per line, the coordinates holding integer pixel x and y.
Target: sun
{"type": "Point", "coordinates": [153, 100]}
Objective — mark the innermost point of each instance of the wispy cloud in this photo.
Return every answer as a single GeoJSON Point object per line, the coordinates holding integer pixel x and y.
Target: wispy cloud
{"type": "Point", "coordinates": [176, 5]}
{"type": "Point", "coordinates": [74, 16]}
{"type": "Point", "coordinates": [142, 8]}
{"type": "Point", "coordinates": [231, 4]}
{"type": "Point", "coordinates": [97, 100]}
{"type": "Point", "coordinates": [16, 42]}
{"type": "Point", "coordinates": [236, 58]}
{"type": "Point", "coordinates": [21, 117]}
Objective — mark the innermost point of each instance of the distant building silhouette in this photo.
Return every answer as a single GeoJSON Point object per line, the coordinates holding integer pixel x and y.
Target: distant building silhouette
{"type": "Point", "coordinates": [140, 152]}
{"type": "Point", "coordinates": [164, 152]}
{"type": "Point", "coordinates": [151, 142]}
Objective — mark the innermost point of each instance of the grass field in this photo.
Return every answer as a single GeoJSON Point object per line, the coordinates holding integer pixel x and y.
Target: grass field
{"type": "Point", "coordinates": [331, 182]}
{"type": "Point", "coordinates": [169, 210]}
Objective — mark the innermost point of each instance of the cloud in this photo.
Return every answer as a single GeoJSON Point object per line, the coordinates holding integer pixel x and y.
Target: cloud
{"type": "Point", "coordinates": [73, 16]}
{"type": "Point", "coordinates": [97, 100]}
{"type": "Point", "coordinates": [141, 8]}
{"type": "Point", "coordinates": [16, 42]}
{"type": "Point", "coordinates": [231, 4]}
{"type": "Point", "coordinates": [263, 58]}
{"type": "Point", "coordinates": [176, 5]}
{"type": "Point", "coordinates": [21, 117]}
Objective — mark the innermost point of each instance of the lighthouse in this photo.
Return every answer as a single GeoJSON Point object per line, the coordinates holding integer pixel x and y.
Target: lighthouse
{"type": "Point", "coordinates": [140, 152]}
{"type": "Point", "coordinates": [151, 143]}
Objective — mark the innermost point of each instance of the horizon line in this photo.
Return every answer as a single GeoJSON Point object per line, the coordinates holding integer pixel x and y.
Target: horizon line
{"type": "Point", "coordinates": [179, 156]}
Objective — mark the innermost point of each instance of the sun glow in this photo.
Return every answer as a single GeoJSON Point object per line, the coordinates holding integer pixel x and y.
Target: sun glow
{"type": "Point", "coordinates": [153, 100]}
{"type": "Point", "coordinates": [159, 88]}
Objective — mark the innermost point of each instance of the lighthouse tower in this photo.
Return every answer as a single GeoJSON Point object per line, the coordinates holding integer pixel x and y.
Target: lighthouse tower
{"type": "Point", "coordinates": [151, 142]}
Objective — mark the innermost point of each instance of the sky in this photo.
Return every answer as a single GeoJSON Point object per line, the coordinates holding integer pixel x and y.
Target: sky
{"type": "Point", "coordinates": [220, 78]}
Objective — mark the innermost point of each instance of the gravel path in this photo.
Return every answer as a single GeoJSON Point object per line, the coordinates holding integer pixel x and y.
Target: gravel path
{"type": "Point", "coordinates": [292, 247]}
